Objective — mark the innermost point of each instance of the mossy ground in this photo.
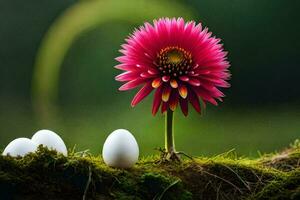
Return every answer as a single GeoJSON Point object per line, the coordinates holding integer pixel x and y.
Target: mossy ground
{"type": "Point", "coordinates": [47, 175]}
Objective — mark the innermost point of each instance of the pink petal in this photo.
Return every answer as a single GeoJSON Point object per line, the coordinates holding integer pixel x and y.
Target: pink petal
{"type": "Point", "coordinates": [184, 106]}
{"type": "Point", "coordinates": [132, 84]}
{"type": "Point", "coordinates": [193, 98]}
{"type": "Point", "coordinates": [156, 82]}
{"type": "Point", "coordinates": [152, 71]}
{"type": "Point", "coordinates": [184, 78]}
{"type": "Point", "coordinates": [203, 94]}
{"type": "Point", "coordinates": [174, 98]}
{"type": "Point", "coordinates": [164, 107]}
{"type": "Point", "coordinates": [194, 82]}
{"type": "Point", "coordinates": [127, 76]}
{"type": "Point", "coordinates": [146, 75]}
{"type": "Point", "coordinates": [174, 83]}
{"type": "Point", "coordinates": [125, 67]}
{"type": "Point", "coordinates": [144, 91]}
{"type": "Point", "coordinates": [156, 100]}
{"type": "Point", "coordinates": [166, 93]}
{"type": "Point", "coordinates": [183, 91]}
{"type": "Point", "coordinates": [166, 78]}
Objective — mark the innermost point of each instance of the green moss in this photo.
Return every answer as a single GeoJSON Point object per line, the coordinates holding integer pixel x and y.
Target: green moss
{"type": "Point", "coordinates": [286, 188]}
{"type": "Point", "coordinates": [48, 175]}
{"type": "Point", "coordinates": [157, 186]}
{"type": "Point", "coordinates": [286, 160]}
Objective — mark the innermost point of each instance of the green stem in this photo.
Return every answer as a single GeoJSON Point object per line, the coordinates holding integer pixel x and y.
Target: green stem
{"type": "Point", "coordinates": [169, 132]}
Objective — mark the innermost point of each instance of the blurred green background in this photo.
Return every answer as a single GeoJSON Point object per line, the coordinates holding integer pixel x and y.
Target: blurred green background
{"type": "Point", "coordinates": [56, 72]}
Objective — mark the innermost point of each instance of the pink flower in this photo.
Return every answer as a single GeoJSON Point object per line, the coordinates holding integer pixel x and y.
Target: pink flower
{"type": "Point", "coordinates": [181, 62]}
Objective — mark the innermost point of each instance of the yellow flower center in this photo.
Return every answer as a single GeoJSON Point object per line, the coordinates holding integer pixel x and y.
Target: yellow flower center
{"type": "Point", "coordinates": [174, 61]}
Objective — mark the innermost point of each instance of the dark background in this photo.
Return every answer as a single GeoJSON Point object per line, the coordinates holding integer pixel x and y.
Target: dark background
{"type": "Point", "coordinates": [260, 112]}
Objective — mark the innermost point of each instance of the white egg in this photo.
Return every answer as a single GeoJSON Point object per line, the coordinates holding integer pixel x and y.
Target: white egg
{"type": "Point", "coordinates": [20, 147]}
{"type": "Point", "coordinates": [50, 140]}
{"type": "Point", "coordinates": [120, 149]}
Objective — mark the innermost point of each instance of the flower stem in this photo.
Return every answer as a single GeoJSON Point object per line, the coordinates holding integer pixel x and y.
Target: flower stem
{"type": "Point", "coordinates": [169, 132]}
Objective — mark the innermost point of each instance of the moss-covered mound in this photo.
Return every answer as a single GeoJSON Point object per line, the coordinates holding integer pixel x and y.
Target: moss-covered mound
{"type": "Point", "coordinates": [46, 175]}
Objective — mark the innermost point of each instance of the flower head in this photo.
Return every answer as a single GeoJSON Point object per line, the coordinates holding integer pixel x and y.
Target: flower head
{"type": "Point", "coordinates": [181, 61]}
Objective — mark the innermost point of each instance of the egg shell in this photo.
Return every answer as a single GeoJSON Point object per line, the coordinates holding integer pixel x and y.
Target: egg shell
{"type": "Point", "coordinates": [50, 140]}
{"type": "Point", "coordinates": [20, 147]}
{"type": "Point", "coordinates": [120, 149]}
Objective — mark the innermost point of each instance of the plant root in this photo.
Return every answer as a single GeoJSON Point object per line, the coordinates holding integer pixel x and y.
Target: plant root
{"type": "Point", "coordinates": [172, 156]}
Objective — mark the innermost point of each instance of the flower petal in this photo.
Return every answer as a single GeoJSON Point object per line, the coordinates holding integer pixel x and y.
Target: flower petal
{"type": "Point", "coordinates": [125, 67]}
{"type": "Point", "coordinates": [144, 91]}
{"type": "Point", "coordinates": [174, 83]}
{"type": "Point", "coordinates": [204, 94]}
{"type": "Point", "coordinates": [173, 100]}
{"type": "Point", "coordinates": [183, 91]}
{"type": "Point", "coordinates": [184, 78]}
{"type": "Point", "coordinates": [193, 98]}
{"type": "Point", "coordinates": [166, 93]}
{"type": "Point", "coordinates": [166, 78]}
{"type": "Point", "coordinates": [164, 107]}
{"type": "Point", "coordinates": [156, 100]}
{"type": "Point", "coordinates": [152, 71]}
{"type": "Point", "coordinates": [131, 84]}
{"type": "Point", "coordinates": [146, 75]}
{"type": "Point", "coordinates": [184, 106]}
{"type": "Point", "coordinates": [126, 76]}
{"type": "Point", "coordinates": [156, 82]}
{"type": "Point", "coordinates": [194, 82]}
